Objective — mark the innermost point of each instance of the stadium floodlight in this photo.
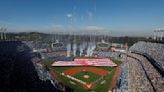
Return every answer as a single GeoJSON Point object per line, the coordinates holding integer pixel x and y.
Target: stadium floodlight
{"type": "Point", "coordinates": [4, 30]}
{"type": "Point", "coordinates": [154, 35]}
{"type": "Point", "coordinates": [1, 30]}
{"type": "Point", "coordinates": [161, 35]}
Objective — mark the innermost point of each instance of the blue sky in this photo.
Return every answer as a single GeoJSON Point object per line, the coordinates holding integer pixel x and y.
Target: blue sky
{"type": "Point", "coordinates": [120, 17]}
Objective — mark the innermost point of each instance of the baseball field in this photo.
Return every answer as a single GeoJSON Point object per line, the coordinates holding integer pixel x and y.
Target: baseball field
{"type": "Point", "coordinates": [84, 78]}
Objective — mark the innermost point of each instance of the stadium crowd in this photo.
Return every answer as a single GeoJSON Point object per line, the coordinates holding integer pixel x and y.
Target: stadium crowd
{"type": "Point", "coordinates": [44, 75]}
{"type": "Point", "coordinates": [108, 54]}
{"type": "Point", "coordinates": [155, 78]}
{"type": "Point", "coordinates": [122, 82]}
{"type": "Point", "coordinates": [155, 50]}
{"type": "Point", "coordinates": [142, 76]}
{"type": "Point", "coordinates": [136, 78]}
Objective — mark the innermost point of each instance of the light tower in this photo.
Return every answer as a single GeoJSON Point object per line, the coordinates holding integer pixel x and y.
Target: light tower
{"type": "Point", "coordinates": [154, 35]}
{"type": "Point", "coordinates": [1, 30]}
{"type": "Point", "coordinates": [158, 34]}
{"type": "Point", "coordinates": [162, 31]}
{"type": "Point", "coordinates": [3, 33]}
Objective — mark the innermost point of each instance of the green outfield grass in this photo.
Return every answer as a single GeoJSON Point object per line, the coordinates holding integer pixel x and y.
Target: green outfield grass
{"type": "Point", "coordinates": [117, 62]}
{"type": "Point", "coordinates": [98, 87]}
{"type": "Point", "coordinates": [104, 87]}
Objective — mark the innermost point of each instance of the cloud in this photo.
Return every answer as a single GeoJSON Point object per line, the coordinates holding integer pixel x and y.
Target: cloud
{"type": "Point", "coordinates": [69, 15]}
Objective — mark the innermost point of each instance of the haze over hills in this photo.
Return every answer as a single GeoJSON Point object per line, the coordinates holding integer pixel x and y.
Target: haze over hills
{"type": "Point", "coordinates": [120, 18]}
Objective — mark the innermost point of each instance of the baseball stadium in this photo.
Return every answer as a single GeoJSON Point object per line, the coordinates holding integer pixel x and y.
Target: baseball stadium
{"type": "Point", "coordinates": [82, 46]}
{"type": "Point", "coordinates": [86, 74]}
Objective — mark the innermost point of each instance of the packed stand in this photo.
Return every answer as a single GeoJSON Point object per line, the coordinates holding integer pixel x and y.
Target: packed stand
{"type": "Point", "coordinates": [137, 77]}
{"type": "Point", "coordinates": [154, 76]}
{"type": "Point", "coordinates": [109, 54]}
{"type": "Point", "coordinates": [133, 78]}
{"type": "Point", "coordinates": [155, 50]}
{"type": "Point", "coordinates": [122, 81]}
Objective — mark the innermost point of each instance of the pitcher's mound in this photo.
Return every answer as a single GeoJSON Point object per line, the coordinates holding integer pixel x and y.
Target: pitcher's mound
{"type": "Point", "coordinates": [86, 76]}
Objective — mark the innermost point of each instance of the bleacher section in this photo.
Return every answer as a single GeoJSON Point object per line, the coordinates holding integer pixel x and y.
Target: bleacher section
{"type": "Point", "coordinates": [122, 82]}
{"type": "Point", "coordinates": [154, 77]}
{"type": "Point", "coordinates": [155, 50]}
{"type": "Point", "coordinates": [142, 75]}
